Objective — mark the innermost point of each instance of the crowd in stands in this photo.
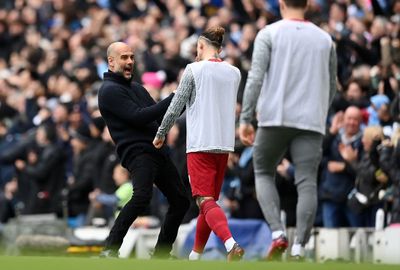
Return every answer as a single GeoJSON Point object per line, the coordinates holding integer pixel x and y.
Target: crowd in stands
{"type": "Point", "coordinates": [56, 155]}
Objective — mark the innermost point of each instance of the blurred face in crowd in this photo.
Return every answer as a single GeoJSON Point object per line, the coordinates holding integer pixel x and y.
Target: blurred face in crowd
{"type": "Point", "coordinates": [120, 59]}
{"type": "Point", "coordinates": [354, 91]}
{"type": "Point", "coordinates": [396, 7]}
{"type": "Point", "coordinates": [384, 113]}
{"type": "Point", "coordinates": [60, 114]}
{"type": "Point", "coordinates": [41, 136]}
{"type": "Point", "coordinates": [352, 120]}
{"type": "Point", "coordinates": [378, 27]}
{"type": "Point", "coordinates": [336, 13]}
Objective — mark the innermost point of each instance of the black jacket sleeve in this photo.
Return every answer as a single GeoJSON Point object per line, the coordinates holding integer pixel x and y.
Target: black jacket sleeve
{"type": "Point", "coordinates": [121, 104]}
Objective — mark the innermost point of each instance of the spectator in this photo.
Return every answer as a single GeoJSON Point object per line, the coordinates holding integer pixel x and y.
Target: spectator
{"type": "Point", "coordinates": [45, 168]}
{"type": "Point", "coordinates": [122, 195]}
{"type": "Point", "coordinates": [352, 96]}
{"type": "Point", "coordinates": [338, 177]}
{"type": "Point", "coordinates": [389, 161]}
{"type": "Point", "coordinates": [80, 183]}
{"type": "Point", "coordinates": [364, 199]}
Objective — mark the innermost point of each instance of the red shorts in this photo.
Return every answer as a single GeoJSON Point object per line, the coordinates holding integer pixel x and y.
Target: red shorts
{"type": "Point", "coordinates": [206, 173]}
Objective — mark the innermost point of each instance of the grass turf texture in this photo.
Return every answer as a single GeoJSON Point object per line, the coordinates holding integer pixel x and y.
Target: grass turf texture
{"type": "Point", "coordinates": [73, 263]}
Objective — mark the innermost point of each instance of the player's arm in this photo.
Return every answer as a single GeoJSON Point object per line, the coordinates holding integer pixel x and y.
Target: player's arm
{"type": "Point", "coordinates": [259, 66]}
{"type": "Point", "coordinates": [182, 96]}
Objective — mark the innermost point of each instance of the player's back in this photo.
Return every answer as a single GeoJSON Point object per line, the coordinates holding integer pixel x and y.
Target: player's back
{"type": "Point", "coordinates": [211, 118]}
{"type": "Point", "coordinates": [295, 91]}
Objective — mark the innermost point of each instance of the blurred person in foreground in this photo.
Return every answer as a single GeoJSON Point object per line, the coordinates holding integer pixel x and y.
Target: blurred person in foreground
{"type": "Point", "coordinates": [133, 118]}
{"type": "Point", "coordinates": [299, 60]}
{"type": "Point", "coordinates": [209, 89]}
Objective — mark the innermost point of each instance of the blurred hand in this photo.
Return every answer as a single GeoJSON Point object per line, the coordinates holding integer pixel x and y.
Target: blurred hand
{"type": "Point", "coordinates": [381, 177]}
{"type": "Point", "coordinates": [19, 164]}
{"type": "Point", "coordinates": [282, 168]}
{"type": "Point", "coordinates": [231, 204]}
{"type": "Point", "coordinates": [70, 180]}
{"type": "Point", "coordinates": [158, 142]}
{"type": "Point", "coordinates": [32, 157]}
{"type": "Point", "coordinates": [44, 114]}
{"type": "Point", "coordinates": [10, 188]}
{"type": "Point", "coordinates": [336, 166]}
{"type": "Point", "coordinates": [348, 153]}
{"type": "Point", "coordinates": [233, 159]}
{"type": "Point", "coordinates": [387, 143]}
{"type": "Point", "coordinates": [93, 195]}
{"type": "Point", "coordinates": [246, 134]}
{"type": "Point", "coordinates": [337, 123]}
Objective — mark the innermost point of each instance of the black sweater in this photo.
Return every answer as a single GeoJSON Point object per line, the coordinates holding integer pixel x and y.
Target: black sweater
{"type": "Point", "coordinates": [131, 115]}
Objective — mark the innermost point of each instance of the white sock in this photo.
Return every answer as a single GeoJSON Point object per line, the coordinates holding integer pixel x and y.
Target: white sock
{"type": "Point", "coordinates": [194, 256]}
{"type": "Point", "coordinates": [297, 250]}
{"type": "Point", "coordinates": [229, 244]}
{"type": "Point", "coordinates": [277, 234]}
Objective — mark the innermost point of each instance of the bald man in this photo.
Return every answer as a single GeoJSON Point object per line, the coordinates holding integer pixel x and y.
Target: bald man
{"type": "Point", "coordinates": [338, 177]}
{"type": "Point", "coordinates": [133, 118]}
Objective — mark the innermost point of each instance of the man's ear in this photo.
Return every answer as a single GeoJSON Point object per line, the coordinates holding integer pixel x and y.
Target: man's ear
{"type": "Point", "coordinates": [110, 60]}
{"type": "Point", "coordinates": [201, 44]}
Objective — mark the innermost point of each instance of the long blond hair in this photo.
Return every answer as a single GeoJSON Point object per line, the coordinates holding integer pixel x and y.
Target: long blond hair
{"type": "Point", "coordinates": [373, 133]}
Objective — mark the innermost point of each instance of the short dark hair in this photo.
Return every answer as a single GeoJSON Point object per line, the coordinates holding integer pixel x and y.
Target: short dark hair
{"type": "Point", "coordinates": [296, 3]}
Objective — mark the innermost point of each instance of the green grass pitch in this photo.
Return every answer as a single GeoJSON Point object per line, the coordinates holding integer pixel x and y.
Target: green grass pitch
{"type": "Point", "coordinates": [73, 263]}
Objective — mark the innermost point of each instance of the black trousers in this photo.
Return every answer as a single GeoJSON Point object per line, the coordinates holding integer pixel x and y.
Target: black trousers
{"type": "Point", "coordinates": [148, 169]}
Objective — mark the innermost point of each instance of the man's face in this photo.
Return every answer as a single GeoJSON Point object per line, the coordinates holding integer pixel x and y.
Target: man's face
{"type": "Point", "coordinates": [122, 62]}
{"type": "Point", "coordinates": [352, 121]}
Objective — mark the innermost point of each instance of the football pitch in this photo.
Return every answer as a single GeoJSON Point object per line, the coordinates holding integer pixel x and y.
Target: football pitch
{"type": "Point", "coordinates": [73, 263]}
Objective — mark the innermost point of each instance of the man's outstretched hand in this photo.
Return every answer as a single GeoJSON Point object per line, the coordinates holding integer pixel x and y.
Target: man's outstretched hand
{"type": "Point", "coordinates": [246, 134]}
{"type": "Point", "coordinates": [158, 142]}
